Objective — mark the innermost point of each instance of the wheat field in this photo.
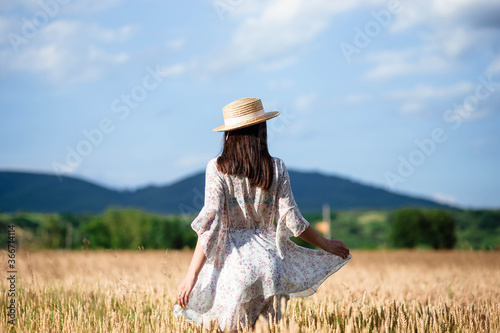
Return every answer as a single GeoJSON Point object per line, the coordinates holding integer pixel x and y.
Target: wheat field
{"type": "Point", "coordinates": [134, 291]}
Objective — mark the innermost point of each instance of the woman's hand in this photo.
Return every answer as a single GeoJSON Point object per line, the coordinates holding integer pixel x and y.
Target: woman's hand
{"type": "Point", "coordinates": [185, 288]}
{"type": "Point", "coordinates": [336, 247]}
{"type": "Point", "coordinates": [197, 263]}
{"type": "Point", "coordinates": [312, 236]}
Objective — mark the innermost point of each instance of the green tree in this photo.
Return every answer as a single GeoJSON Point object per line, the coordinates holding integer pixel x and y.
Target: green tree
{"type": "Point", "coordinates": [98, 233]}
{"type": "Point", "coordinates": [489, 220]}
{"type": "Point", "coordinates": [435, 228]}
{"type": "Point", "coordinates": [23, 221]}
{"type": "Point", "coordinates": [406, 227]}
{"type": "Point", "coordinates": [442, 229]}
{"type": "Point", "coordinates": [52, 232]}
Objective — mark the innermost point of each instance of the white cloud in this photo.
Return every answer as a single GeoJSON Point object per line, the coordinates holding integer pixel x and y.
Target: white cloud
{"type": "Point", "coordinates": [268, 33]}
{"type": "Point", "coordinates": [278, 64]}
{"type": "Point", "coordinates": [175, 43]}
{"type": "Point", "coordinates": [448, 31]}
{"type": "Point", "coordinates": [411, 107]}
{"type": "Point", "coordinates": [469, 115]}
{"type": "Point", "coordinates": [5, 28]}
{"type": "Point", "coordinates": [455, 42]}
{"type": "Point", "coordinates": [444, 198]}
{"type": "Point", "coordinates": [73, 6]}
{"type": "Point", "coordinates": [424, 92]}
{"type": "Point", "coordinates": [494, 66]}
{"type": "Point", "coordinates": [51, 58]}
{"type": "Point", "coordinates": [358, 98]}
{"type": "Point", "coordinates": [280, 84]}
{"type": "Point", "coordinates": [176, 69]}
{"type": "Point", "coordinates": [92, 6]}
{"type": "Point", "coordinates": [390, 69]}
{"type": "Point", "coordinates": [240, 9]}
{"type": "Point", "coordinates": [31, 5]}
{"type": "Point", "coordinates": [305, 103]}
{"type": "Point", "coordinates": [447, 13]}
{"type": "Point", "coordinates": [98, 54]}
{"type": "Point", "coordinates": [121, 34]}
{"type": "Point", "coordinates": [415, 99]}
{"type": "Point", "coordinates": [69, 51]}
{"type": "Point", "coordinates": [400, 63]}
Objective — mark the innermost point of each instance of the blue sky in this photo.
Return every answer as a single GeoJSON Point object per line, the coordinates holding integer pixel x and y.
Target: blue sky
{"type": "Point", "coordinates": [399, 94]}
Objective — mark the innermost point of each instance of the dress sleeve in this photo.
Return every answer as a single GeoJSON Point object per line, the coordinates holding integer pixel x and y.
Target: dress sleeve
{"type": "Point", "coordinates": [290, 221]}
{"type": "Point", "coordinates": [209, 222]}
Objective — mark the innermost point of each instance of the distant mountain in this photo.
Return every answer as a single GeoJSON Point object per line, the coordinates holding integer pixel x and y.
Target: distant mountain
{"type": "Point", "coordinates": [22, 191]}
{"type": "Point", "coordinates": [45, 193]}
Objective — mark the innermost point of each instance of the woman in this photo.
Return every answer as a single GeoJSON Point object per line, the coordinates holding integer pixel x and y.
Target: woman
{"type": "Point", "coordinates": [243, 264]}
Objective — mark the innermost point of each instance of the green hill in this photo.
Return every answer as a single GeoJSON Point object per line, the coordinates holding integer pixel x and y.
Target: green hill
{"type": "Point", "coordinates": [35, 192]}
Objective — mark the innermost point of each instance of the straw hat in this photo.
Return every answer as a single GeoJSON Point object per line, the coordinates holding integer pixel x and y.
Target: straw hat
{"type": "Point", "coordinates": [243, 113]}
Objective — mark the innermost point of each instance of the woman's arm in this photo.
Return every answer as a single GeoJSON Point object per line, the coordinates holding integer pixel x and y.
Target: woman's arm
{"type": "Point", "coordinates": [189, 281]}
{"type": "Point", "coordinates": [313, 237]}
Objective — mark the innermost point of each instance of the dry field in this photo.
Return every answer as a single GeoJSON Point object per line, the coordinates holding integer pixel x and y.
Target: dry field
{"type": "Point", "coordinates": [377, 291]}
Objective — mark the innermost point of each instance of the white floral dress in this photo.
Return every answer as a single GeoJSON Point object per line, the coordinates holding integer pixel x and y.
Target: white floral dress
{"type": "Point", "coordinates": [250, 259]}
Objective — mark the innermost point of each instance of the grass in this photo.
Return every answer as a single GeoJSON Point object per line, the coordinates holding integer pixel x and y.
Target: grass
{"type": "Point", "coordinates": [377, 291]}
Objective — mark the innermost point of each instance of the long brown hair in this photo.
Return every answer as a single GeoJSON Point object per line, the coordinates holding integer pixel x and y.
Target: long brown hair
{"type": "Point", "coordinates": [245, 154]}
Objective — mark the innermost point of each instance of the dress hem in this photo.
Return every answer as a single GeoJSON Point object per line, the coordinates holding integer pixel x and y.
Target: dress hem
{"type": "Point", "coordinates": [314, 289]}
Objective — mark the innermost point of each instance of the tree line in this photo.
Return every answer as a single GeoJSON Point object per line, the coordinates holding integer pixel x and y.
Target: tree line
{"type": "Point", "coordinates": [133, 228]}
{"type": "Point", "coordinates": [412, 227]}
{"type": "Point", "coordinates": [114, 229]}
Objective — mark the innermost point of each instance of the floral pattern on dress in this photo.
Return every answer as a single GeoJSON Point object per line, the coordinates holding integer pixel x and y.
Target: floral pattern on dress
{"type": "Point", "coordinates": [251, 261]}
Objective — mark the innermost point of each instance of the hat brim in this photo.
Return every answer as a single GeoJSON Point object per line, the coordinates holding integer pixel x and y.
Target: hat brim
{"type": "Point", "coordinates": [264, 117]}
